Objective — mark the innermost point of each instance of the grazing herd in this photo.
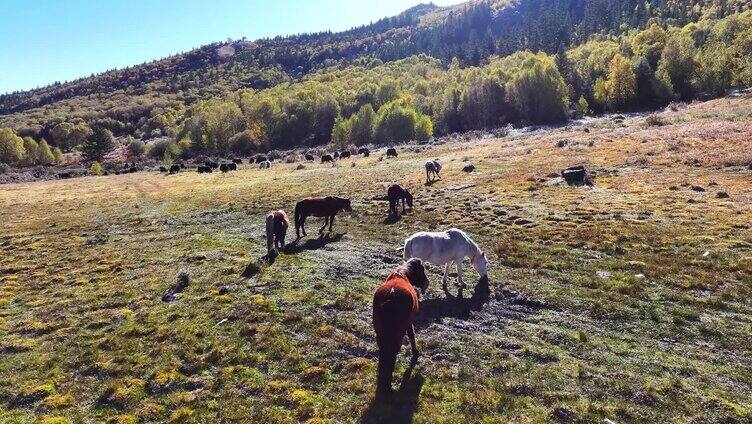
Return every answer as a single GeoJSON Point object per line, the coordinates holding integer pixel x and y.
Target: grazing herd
{"type": "Point", "coordinates": [396, 301]}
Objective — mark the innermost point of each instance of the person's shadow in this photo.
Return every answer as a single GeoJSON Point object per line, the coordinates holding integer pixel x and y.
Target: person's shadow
{"type": "Point", "coordinates": [435, 309]}
{"type": "Point", "coordinates": [400, 406]}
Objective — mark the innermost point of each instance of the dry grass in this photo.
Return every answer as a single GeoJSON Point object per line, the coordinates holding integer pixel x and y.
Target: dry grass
{"type": "Point", "coordinates": [601, 303]}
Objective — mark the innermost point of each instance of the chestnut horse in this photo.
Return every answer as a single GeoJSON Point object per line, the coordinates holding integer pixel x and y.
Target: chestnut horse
{"type": "Point", "coordinates": [395, 193]}
{"type": "Point", "coordinates": [326, 207]}
{"type": "Point", "coordinates": [276, 230]}
{"type": "Point", "coordinates": [395, 306]}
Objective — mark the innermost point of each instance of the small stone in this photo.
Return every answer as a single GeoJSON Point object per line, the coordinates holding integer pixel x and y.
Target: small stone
{"type": "Point", "coordinates": [722, 195]}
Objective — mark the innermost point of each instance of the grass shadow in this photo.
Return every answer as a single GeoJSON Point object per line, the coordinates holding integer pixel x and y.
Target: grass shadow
{"type": "Point", "coordinates": [435, 309]}
{"type": "Point", "coordinates": [400, 406]}
{"type": "Point", "coordinates": [255, 267]}
{"type": "Point", "coordinates": [429, 183]}
{"type": "Point", "coordinates": [312, 244]}
{"type": "Point", "coordinates": [392, 219]}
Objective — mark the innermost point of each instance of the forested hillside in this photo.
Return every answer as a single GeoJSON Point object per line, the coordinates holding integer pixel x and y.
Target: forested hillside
{"type": "Point", "coordinates": [428, 71]}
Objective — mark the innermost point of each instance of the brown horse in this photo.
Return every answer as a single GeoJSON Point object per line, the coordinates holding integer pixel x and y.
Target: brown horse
{"type": "Point", "coordinates": [395, 306]}
{"type": "Point", "coordinates": [395, 193]}
{"type": "Point", "coordinates": [276, 230]}
{"type": "Point", "coordinates": [326, 207]}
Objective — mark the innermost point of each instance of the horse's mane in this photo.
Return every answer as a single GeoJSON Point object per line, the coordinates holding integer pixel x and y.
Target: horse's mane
{"type": "Point", "coordinates": [470, 241]}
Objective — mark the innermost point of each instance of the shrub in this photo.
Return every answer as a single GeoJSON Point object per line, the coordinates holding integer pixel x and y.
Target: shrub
{"type": "Point", "coordinates": [96, 168]}
{"type": "Point", "coordinates": [45, 156]}
{"type": "Point", "coordinates": [135, 148]}
{"type": "Point", "coordinates": [97, 145]}
{"type": "Point", "coordinates": [538, 91]}
{"type": "Point", "coordinates": [162, 149]}
{"type": "Point", "coordinates": [655, 121]}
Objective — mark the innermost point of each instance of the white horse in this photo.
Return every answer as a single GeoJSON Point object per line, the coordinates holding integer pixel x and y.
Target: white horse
{"type": "Point", "coordinates": [443, 248]}
{"type": "Point", "coordinates": [433, 168]}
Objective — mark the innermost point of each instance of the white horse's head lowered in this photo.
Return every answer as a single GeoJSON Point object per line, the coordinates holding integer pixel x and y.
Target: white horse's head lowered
{"type": "Point", "coordinates": [480, 263]}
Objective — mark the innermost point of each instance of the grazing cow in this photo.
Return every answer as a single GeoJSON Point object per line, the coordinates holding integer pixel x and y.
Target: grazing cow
{"type": "Point", "coordinates": [445, 247]}
{"type": "Point", "coordinates": [309, 157]}
{"type": "Point", "coordinates": [174, 169]}
{"type": "Point", "coordinates": [276, 230]}
{"type": "Point", "coordinates": [181, 165]}
{"type": "Point", "coordinates": [344, 155]}
{"type": "Point", "coordinates": [212, 165]}
{"type": "Point", "coordinates": [391, 153]}
{"type": "Point", "coordinates": [162, 169]}
{"type": "Point", "coordinates": [237, 161]}
{"type": "Point", "coordinates": [232, 166]}
{"type": "Point", "coordinates": [261, 158]}
{"type": "Point", "coordinates": [204, 169]}
{"type": "Point", "coordinates": [321, 207]}
{"type": "Point", "coordinates": [265, 164]}
{"type": "Point", "coordinates": [395, 307]}
{"type": "Point", "coordinates": [364, 151]}
{"type": "Point", "coordinates": [224, 168]}
{"type": "Point", "coordinates": [64, 175]}
{"type": "Point", "coordinates": [433, 168]}
{"type": "Point", "coordinates": [326, 158]}
{"type": "Point", "coordinates": [336, 155]}
{"type": "Point", "coordinates": [395, 193]}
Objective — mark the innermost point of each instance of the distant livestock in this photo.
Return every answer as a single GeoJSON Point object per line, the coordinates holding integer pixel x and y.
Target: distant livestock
{"type": "Point", "coordinates": [162, 169]}
{"type": "Point", "coordinates": [265, 165]}
{"type": "Point", "coordinates": [64, 175]}
{"type": "Point", "coordinates": [224, 168]}
{"type": "Point", "coordinates": [232, 166]}
{"type": "Point", "coordinates": [433, 168]}
{"type": "Point", "coordinates": [309, 157]}
{"type": "Point", "coordinates": [237, 161]}
{"type": "Point", "coordinates": [395, 307]}
{"type": "Point", "coordinates": [276, 230]}
{"type": "Point", "coordinates": [391, 152]}
{"type": "Point", "coordinates": [326, 158]}
{"type": "Point", "coordinates": [576, 176]}
{"type": "Point", "coordinates": [443, 248]}
{"type": "Point", "coordinates": [336, 155]}
{"type": "Point", "coordinates": [364, 151]}
{"type": "Point", "coordinates": [212, 165]}
{"type": "Point", "coordinates": [320, 207]}
{"type": "Point", "coordinates": [395, 194]}
{"type": "Point", "coordinates": [344, 155]}
{"type": "Point", "coordinates": [204, 170]}
{"type": "Point", "coordinates": [261, 158]}
{"type": "Point", "coordinates": [174, 169]}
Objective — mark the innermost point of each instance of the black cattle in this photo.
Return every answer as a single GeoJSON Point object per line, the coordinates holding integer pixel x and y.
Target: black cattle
{"type": "Point", "coordinates": [391, 152]}
{"type": "Point", "coordinates": [162, 169]}
{"type": "Point", "coordinates": [237, 161]}
{"type": "Point", "coordinates": [336, 155]}
{"type": "Point", "coordinates": [233, 166]}
{"type": "Point", "coordinates": [364, 151]}
{"type": "Point", "coordinates": [576, 176]}
{"type": "Point", "coordinates": [224, 168]}
{"type": "Point", "coordinates": [204, 169]}
{"type": "Point", "coordinates": [309, 157]}
{"type": "Point", "coordinates": [174, 169]}
{"type": "Point", "coordinates": [344, 155]}
{"type": "Point", "coordinates": [181, 165]}
{"type": "Point", "coordinates": [261, 158]}
{"type": "Point", "coordinates": [64, 175]}
{"type": "Point", "coordinates": [326, 158]}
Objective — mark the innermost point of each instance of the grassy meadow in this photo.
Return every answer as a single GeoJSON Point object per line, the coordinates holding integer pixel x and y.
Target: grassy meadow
{"type": "Point", "coordinates": [628, 301]}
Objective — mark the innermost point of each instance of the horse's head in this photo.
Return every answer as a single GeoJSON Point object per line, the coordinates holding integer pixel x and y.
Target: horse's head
{"type": "Point", "coordinates": [416, 273]}
{"type": "Point", "coordinates": [480, 263]}
{"type": "Point", "coordinates": [409, 199]}
{"type": "Point", "coordinates": [347, 205]}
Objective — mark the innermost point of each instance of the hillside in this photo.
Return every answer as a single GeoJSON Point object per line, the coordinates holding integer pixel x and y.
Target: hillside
{"type": "Point", "coordinates": [131, 101]}
{"type": "Point", "coordinates": [629, 300]}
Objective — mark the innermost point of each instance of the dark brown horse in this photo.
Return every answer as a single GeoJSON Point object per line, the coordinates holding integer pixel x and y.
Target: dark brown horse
{"type": "Point", "coordinates": [395, 306]}
{"type": "Point", "coordinates": [395, 193]}
{"type": "Point", "coordinates": [321, 207]}
{"type": "Point", "coordinates": [276, 230]}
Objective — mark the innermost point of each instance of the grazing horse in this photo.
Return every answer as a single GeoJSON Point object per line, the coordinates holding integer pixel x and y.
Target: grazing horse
{"type": "Point", "coordinates": [433, 168]}
{"type": "Point", "coordinates": [444, 248]}
{"type": "Point", "coordinates": [391, 153]}
{"type": "Point", "coordinates": [395, 193]}
{"type": "Point", "coordinates": [326, 158]}
{"type": "Point", "coordinates": [395, 306]}
{"type": "Point", "coordinates": [276, 230]}
{"type": "Point", "coordinates": [326, 207]}
{"type": "Point", "coordinates": [344, 155]}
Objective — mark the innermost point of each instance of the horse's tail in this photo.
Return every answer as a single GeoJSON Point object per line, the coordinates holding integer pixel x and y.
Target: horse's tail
{"type": "Point", "coordinates": [269, 232]}
{"type": "Point", "coordinates": [298, 214]}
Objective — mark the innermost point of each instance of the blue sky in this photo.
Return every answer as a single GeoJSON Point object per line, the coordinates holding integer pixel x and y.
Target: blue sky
{"type": "Point", "coordinates": [42, 41]}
